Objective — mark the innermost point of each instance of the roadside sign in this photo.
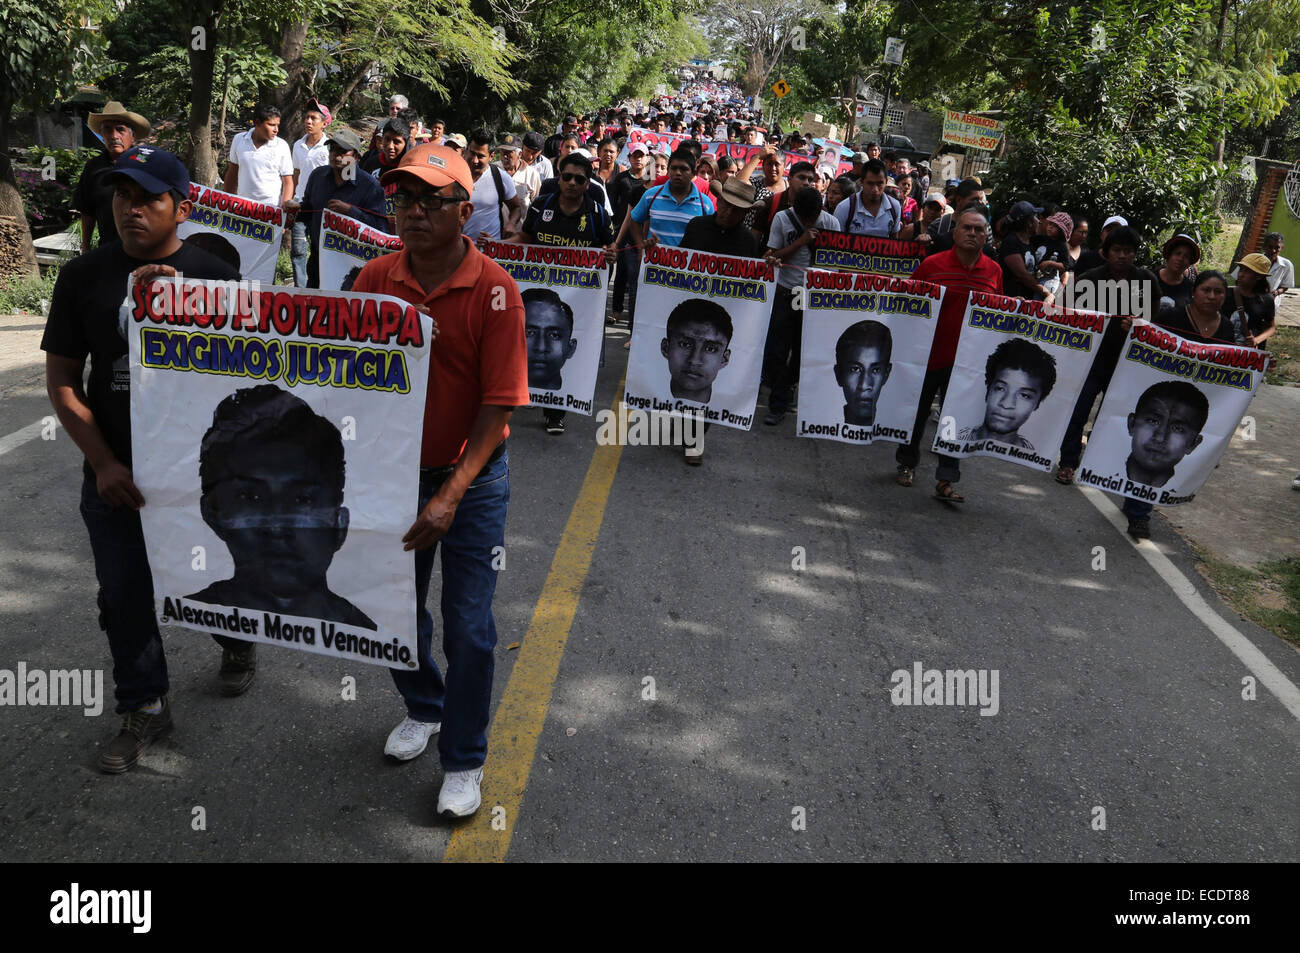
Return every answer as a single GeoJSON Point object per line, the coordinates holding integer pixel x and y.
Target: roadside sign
{"type": "Point", "coordinates": [780, 88]}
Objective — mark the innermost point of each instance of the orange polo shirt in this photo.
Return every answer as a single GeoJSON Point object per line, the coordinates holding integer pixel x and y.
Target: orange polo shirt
{"type": "Point", "coordinates": [479, 356]}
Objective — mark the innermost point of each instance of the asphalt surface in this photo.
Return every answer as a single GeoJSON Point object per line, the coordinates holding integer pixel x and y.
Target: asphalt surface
{"type": "Point", "coordinates": [771, 683]}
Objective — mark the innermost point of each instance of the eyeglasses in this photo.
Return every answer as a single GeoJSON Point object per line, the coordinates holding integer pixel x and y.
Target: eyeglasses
{"type": "Point", "coordinates": [573, 177]}
{"type": "Point", "coordinates": [428, 201]}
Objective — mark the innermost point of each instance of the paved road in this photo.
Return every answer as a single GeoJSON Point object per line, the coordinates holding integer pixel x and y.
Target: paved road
{"type": "Point", "coordinates": [771, 683]}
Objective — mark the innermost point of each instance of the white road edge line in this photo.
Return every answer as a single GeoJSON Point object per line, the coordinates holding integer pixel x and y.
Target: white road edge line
{"type": "Point", "coordinates": [19, 437]}
{"type": "Point", "coordinates": [1256, 661]}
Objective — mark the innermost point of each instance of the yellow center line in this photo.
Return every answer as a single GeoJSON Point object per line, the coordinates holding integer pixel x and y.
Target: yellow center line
{"type": "Point", "coordinates": [521, 713]}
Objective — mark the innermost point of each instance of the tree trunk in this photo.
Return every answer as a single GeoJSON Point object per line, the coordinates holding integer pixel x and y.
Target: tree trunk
{"type": "Point", "coordinates": [1218, 50]}
{"type": "Point", "coordinates": [19, 261]}
{"type": "Point", "coordinates": [203, 164]}
{"type": "Point", "coordinates": [350, 88]}
{"type": "Point", "coordinates": [293, 95]}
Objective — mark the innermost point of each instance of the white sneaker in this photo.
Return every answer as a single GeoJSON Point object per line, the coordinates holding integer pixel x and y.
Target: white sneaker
{"type": "Point", "coordinates": [409, 739]}
{"type": "Point", "coordinates": [460, 796]}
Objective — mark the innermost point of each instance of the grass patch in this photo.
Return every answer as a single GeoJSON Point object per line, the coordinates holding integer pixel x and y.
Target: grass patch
{"type": "Point", "coordinates": [1285, 346]}
{"type": "Point", "coordinates": [28, 295]}
{"type": "Point", "coordinates": [1219, 254]}
{"type": "Point", "coordinates": [1268, 596]}
{"type": "Point", "coordinates": [283, 268]}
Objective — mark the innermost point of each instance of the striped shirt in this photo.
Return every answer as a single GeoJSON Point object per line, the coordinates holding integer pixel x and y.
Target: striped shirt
{"type": "Point", "coordinates": [945, 269]}
{"type": "Point", "coordinates": [667, 216]}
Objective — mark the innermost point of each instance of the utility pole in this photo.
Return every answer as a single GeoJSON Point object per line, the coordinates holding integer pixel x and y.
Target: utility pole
{"type": "Point", "coordinates": [894, 58]}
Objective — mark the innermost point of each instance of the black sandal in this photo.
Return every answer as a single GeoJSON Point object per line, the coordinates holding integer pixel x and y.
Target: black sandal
{"type": "Point", "coordinates": [943, 491]}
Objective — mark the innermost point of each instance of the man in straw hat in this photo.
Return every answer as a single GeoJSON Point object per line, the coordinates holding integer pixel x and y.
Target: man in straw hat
{"type": "Point", "coordinates": [119, 129]}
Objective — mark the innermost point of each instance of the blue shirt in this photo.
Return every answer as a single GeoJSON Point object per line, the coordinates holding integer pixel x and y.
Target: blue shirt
{"type": "Point", "coordinates": [856, 218]}
{"type": "Point", "coordinates": [667, 216]}
{"type": "Point", "coordinates": [363, 193]}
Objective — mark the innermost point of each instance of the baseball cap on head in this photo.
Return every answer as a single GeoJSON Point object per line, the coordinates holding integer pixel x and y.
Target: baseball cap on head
{"type": "Point", "coordinates": [534, 141]}
{"type": "Point", "coordinates": [434, 165]}
{"type": "Point", "coordinates": [154, 170]}
{"type": "Point", "coordinates": [1115, 220]}
{"type": "Point", "coordinates": [638, 147]}
{"type": "Point", "coordinates": [346, 140]}
{"type": "Point", "coordinates": [508, 143]}
{"type": "Point", "coordinates": [1023, 211]}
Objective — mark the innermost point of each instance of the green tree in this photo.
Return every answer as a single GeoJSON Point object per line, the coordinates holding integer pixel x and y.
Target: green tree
{"type": "Point", "coordinates": [41, 45]}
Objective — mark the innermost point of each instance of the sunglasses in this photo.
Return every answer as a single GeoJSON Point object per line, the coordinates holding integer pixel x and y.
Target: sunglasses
{"type": "Point", "coordinates": [429, 201]}
{"type": "Point", "coordinates": [573, 177]}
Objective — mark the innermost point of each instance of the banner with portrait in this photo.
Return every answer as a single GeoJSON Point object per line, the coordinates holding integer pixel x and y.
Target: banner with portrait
{"type": "Point", "coordinates": [1019, 368]}
{"type": "Point", "coordinates": [564, 319]}
{"type": "Point", "coordinates": [1169, 415]}
{"type": "Point", "coordinates": [866, 254]}
{"type": "Point", "coordinates": [697, 347]}
{"type": "Point", "coordinates": [866, 344]}
{"type": "Point", "coordinates": [241, 232]}
{"type": "Point", "coordinates": [344, 245]}
{"type": "Point", "coordinates": [276, 440]}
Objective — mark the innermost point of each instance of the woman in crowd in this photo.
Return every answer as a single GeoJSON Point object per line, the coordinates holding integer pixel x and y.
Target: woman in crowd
{"type": "Point", "coordinates": [1181, 252]}
{"type": "Point", "coordinates": [1249, 304]}
{"type": "Point", "coordinates": [1202, 317]}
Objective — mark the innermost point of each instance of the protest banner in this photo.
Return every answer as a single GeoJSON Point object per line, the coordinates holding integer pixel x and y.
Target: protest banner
{"type": "Point", "coordinates": [564, 319]}
{"type": "Point", "coordinates": [866, 343]}
{"type": "Point", "coordinates": [241, 232]}
{"type": "Point", "coordinates": [973, 132]}
{"type": "Point", "coordinates": [1017, 375]}
{"type": "Point", "coordinates": [344, 245]}
{"type": "Point", "coordinates": [741, 153]}
{"type": "Point", "coordinates": [1169, 415]}
{"type": "Point", "coordinates": [866, 254]}
{"type": "Point", "coordinates": [701, 323]}
{"type": "Point", "coordinates": [276, 437]}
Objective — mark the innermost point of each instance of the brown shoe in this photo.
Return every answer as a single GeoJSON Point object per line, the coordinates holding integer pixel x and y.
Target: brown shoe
{"type": "Point", "coordinates": [238, 666]}
{"type": "Point", "coordinates": [139, 729]}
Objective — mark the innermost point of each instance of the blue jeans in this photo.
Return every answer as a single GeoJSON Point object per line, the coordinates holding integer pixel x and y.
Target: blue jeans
{"type": "Point", "coordinates": [1097, 381]}
{"type": "Point", "coordinates": [462, 701]}
{"type": "Point", "coordinates": [298, 250]}
{"type": "Point", "coordinates": [1136, 509]}
{"type": "Point", "coordinates": [126, 610]}
{"type": "Point", "coordinates": [629, 263]}
{"type": "Point", "coordinates": [909, 454]}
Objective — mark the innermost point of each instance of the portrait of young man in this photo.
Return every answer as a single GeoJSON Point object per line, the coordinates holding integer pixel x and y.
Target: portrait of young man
{"type": "Point", "coordinates": [697, 345]}
{"type": "Point", "coordinates": [272, 472]}
{"type": "Point", "coordinates": [1018, 376]}
{"type": "Point", "coordinates": [862, 366]}
{"type": "Point", "coordinates": [548, 329]}
{"type": "Point", "coordinates": [1165, 426]}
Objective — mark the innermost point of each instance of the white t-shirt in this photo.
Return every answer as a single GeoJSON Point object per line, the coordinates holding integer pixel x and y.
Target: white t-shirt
{"type": "Point", "coordinates": [486, 217]}
{"type": "Point", "coordinates": [528, 182]}
{"type": "Point", "coordinates": [306, 159]}
{"type": "Point", "coordinates": [260, 169]}
{"type": "Point", "coordinates": [786, 227]}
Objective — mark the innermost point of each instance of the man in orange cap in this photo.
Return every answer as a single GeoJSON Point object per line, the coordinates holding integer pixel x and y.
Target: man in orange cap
{"type": "Point", "coordinates": [478, 375]}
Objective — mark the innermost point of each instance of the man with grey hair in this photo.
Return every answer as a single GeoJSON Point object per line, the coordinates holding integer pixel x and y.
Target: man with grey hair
{"type": "Point", "coordinates": [396, 103]}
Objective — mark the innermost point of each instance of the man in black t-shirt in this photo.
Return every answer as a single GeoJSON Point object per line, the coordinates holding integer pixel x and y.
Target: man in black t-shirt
{"type": "Point", "coordinates": [93, 199]}
{"type": "Point", "coordinates": [150, 199]}
{"type": "Point", "coordinates": [569, 218]}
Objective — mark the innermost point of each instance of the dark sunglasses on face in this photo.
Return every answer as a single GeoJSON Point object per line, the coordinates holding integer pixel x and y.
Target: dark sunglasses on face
{"type": "Point", "coordinates": [429, 201]}
{"type": "Point", "coordinates": [573, 177]}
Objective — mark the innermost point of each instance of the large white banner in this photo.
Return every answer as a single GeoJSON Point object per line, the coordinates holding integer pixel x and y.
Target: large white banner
{"type": "Point", "coordinates": [242, 233]}
{"type": "Point", "coordinates": [344, 245]}
{"type": "Point", "coordinates": [866, 343]}
{"type": "Point", "coordinates": [1019, 368]}
{"type": "Point", "coordinates": [564, 319]}
{"type": "Point", "coordinates": [1169, 415]}
{"type": "Point", "coordinates": [276, 440]}
{"type": "Point", "coordinates": [697, 347]}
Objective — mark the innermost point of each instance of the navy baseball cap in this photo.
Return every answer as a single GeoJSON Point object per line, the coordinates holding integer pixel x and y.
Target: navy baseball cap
{"type": "Point", "coordinates": [154, 170]}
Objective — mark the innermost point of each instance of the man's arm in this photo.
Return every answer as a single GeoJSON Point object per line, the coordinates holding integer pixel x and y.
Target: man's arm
{"type": "Point", "coordinates": [286, 188]}
{"type": "Point", "coordinates": [68, 397]}
{"type": "Point", "coordinates": [231, 181]}
{"type": "Point", "coordinates": [436, 518]}
{"type": "Point", "coordinates": [515, 217]}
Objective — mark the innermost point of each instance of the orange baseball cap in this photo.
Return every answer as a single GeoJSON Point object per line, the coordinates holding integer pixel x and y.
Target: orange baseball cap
{"type": "Point", "coordinates": [436, 165]}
